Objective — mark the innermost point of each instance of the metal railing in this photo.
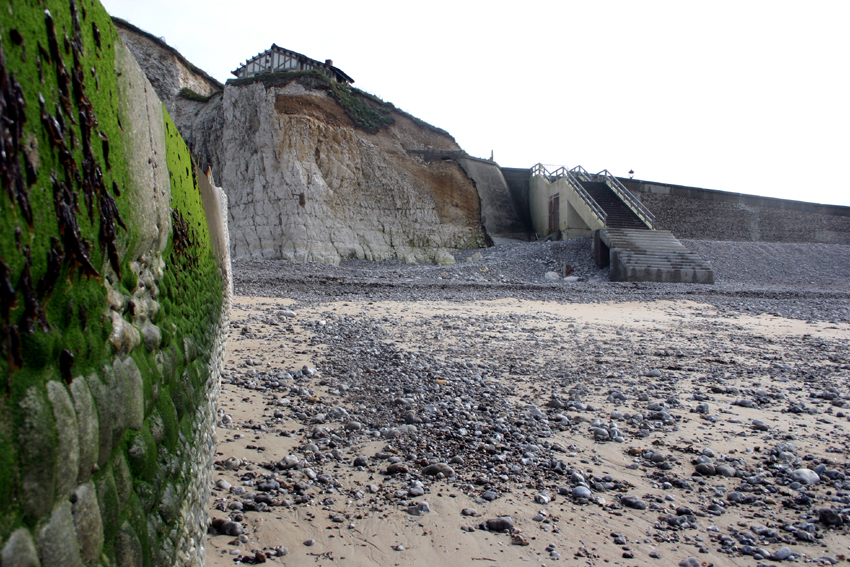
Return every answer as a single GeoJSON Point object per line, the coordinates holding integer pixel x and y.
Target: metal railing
{"type": "Point", "coordinates": [578, 173]}
{"type": "Point", "coordinates": [563, 172]}
{"type": "Point", "coordinates": [639, 208]}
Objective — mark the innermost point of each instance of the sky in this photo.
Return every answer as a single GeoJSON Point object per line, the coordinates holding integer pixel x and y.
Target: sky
{"type": "Point", "coordinates": [746, 96]}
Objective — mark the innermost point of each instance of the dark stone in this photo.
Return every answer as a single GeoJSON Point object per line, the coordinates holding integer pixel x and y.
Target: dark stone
{"type": "Point", "coordinates": [830, 517]}
{"type": "Point", "coordinates": [435, 469]}
{"type": "Point", "coordinates": [705, 469]}
{"type": "Point", "coordinates": [502, 524]}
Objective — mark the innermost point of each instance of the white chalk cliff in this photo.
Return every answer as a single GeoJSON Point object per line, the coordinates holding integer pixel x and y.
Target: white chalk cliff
{"type": "Point", "coordinates": [304, 182]}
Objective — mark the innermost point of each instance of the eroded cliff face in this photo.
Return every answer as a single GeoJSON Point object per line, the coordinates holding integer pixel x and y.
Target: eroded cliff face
{"type": "Point", "coordinates": [306, 183]}
{"type": "Point", "coordinates": [167, 70]}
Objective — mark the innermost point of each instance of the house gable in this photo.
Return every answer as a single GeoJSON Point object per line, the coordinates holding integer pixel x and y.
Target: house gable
{"type": "Point", "coordinates": [277, 59]}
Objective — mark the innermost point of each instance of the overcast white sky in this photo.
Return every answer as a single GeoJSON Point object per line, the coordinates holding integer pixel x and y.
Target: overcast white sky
{"type": "Point", "coordinates": [744, 96]}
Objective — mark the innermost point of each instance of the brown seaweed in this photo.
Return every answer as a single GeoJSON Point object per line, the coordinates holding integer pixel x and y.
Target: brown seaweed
{"type": "Point", "coordinates": [96, 33]}
{"type": "Point", "coordinates": [109, 215]}
{"type": "Point", "coordinates": [33, 312]}
{"type": "Point", "coordinates": [66, 361]}
{"type": "Point", "coordinates": [183, 238]}
{"type": "Point", "coordinates": [12, 119]}
{"type": "Point", "coordinates": [55, 259]}
{"type": "Point", "coordinates": [104, 144]}
{"type": "Point", "coordinates": [10, 342]}
{"type": "Point", "coordinates": [76, 248]}
{"type": "Point", "coordinates": [63, 78]}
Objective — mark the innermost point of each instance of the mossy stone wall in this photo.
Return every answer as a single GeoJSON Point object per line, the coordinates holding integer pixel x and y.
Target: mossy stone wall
{"type": "Point", "coordinates": [112, 303]}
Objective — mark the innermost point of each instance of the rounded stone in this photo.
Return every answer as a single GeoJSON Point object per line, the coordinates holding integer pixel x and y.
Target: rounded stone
{"type": "Point", "coordinates": [501, 524]}
{"type": "Point", "coordinates": [435, 469]}
{"type": "Point", "coordinates": [87, 521]}
{"type": "Point", "coordinates": [57, 539]}
{"type": "Point", "coordinates": [68, 449]}
{"type": "Point", "coordinates": [581, 492]}
{"type": "Point", "coordinates": [37, 457]}
{"type": "Point", "coordinates": [88, 428]}
{"type": "Point", "coordinates": [705, 469]}
{"type": "Point", "coordinates": [19, 550]}
{"type": "Point", "coordinates": [805, 476]}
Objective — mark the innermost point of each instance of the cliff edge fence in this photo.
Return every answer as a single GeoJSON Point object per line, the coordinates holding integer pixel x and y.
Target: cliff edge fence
{"type": "Point", "coordinates": [114, 297]}
{"type": "Point", "coordinates": [315, 170]}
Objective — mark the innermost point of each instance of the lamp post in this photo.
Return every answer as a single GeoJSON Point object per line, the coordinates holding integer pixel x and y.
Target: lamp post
{"type": "Point", "coordinates": [631, 173]}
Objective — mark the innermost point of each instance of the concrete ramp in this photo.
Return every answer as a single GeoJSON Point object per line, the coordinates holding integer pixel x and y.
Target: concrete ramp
{"type": "Point", "coordinates": [498, 214]}
{"type": "Point", "coordinates": [637, 255]}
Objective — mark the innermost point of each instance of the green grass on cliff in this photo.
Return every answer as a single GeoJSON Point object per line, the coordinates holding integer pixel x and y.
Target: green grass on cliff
{"type": "Point", "coordinates": [367, 111]}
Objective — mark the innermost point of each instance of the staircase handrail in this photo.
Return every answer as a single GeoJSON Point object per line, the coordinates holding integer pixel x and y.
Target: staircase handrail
{"type": "Point", "coordinates": [589, 201]}
{"type": "Point", "coordinates": [639, 208]}
{"type": "Point", "coordinates": [563, 172]}
{"type": "Point", "coordinates": [581, 173]}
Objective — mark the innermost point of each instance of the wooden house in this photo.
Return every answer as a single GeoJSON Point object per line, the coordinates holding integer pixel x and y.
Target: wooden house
{"type": "Point", "coordinates": [277, 59]}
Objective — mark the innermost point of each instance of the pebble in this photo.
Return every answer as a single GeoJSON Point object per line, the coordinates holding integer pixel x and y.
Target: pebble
{"type": "Point", "coordinates": [442, 403]}
{"type": "Point", "coordinates": [581, 492]}
{"type": "Point", "coordinates": [805, 476]}
{"type": "Point", "coordinates": [501, 524]}
{"type": "Point", "coordinates": [439, 468]}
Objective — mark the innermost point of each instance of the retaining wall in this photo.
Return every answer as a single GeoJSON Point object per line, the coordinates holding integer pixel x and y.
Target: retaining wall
{"type": "Point", "coordinates": [707, 214]}
{"type": "Point", "coordinates": [114, 304]}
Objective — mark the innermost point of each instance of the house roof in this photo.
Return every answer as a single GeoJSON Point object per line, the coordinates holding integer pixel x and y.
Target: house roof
{"type": "Point", "coordinates": [341, 75]}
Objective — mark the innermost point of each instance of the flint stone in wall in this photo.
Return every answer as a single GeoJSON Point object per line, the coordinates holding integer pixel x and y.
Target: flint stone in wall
{"type": "Point", "coordinates": [128, 550]}
{"type": "Point", "coordinates": [134, 394]}
{"type": "Point", "coordinates": [36, 438]}
{"type": "Point", "coordinates": [107, 501]}
{"type": "Point", "coordinates": [120, 403]}
{"type": "Point", "coordinates": [87, 426]}
{"type": "Point", "coordinates": [169, 504]}
{"type": "Point", "coordinates": [68, 449]}
{"type": "Point", "coordinates": [88, 523]}
{"type": "Point", "coordinates": [123, 480]}
{"type": "Point", "coordinates": [157, 426]}
{"type": "Point", "coordinates": [20, 551]}
{"type": "Point", "coordinates": [151, 335]}
{"type": "Point", "coordinates": [57, 540]}
{"type": "Point", "coordinates": [124, 337]}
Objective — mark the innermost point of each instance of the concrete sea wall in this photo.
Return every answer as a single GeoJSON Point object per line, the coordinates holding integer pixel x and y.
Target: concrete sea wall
{"type": "Point", "coordinates": [113, 303]}
{"type": "Point", "coordinates": [707, 214]}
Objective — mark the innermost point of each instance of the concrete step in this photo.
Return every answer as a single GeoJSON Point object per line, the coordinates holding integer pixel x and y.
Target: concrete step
{"type": "Point", "coordinates": [619, 215]}
{"type": "Point", "coordinates": [649, 255]}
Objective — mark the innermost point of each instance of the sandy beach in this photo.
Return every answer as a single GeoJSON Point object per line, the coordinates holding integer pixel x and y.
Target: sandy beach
{"type": "Point", "coordinates": [553, 425]}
